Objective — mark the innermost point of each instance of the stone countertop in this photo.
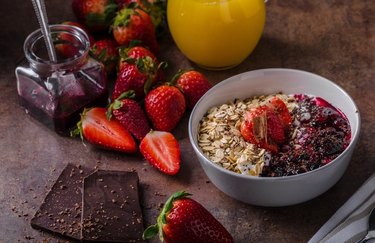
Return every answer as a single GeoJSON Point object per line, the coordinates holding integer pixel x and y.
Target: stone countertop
{"type": "Point", "coordinates": [332, 38]}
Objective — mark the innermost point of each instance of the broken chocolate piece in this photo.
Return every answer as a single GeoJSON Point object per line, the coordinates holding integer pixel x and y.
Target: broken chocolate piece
{"type": "Point", "coordinates": [60, 211]}
{"type": "Point", "coordinates": [111, 208]}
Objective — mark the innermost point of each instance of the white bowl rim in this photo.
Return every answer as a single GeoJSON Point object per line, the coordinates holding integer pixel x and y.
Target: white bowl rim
{"type": "Point", "coordinates": [353, 141]}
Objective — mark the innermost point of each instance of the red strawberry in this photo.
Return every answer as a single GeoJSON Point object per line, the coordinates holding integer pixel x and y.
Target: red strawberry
{"type": "Point", "coordinates": [91, 38]}
{"type": "Point", "coordinates": [183, 219]}
{"type": "Point", "coordinates": [67, 45]}
{"type": "Point", "coordinates": [279, 107]}
{"type": "Point", "coordinates": [275, 128]}
{"type": "Point", "coordinates": [105, 51]}
{"type": "Point", "coordinates": [263, 127]}
{"type": "Point", "coordinates": [134, 24]}
{"type": "Point", "coordinates": [135, 52]}
{"type": "Point", "coordinates": [136, 74]}
{"type": "Point", "coordinates": [193, 84]}
{"type": "Point", "coordinates": [155, 8]}
{"type": "Point", "coordinates": [130, 114]}
{"type": "Point", "coordinates": [97, 15]}
{"type": "Point", "coordinates": [98, 130]}
{"type": "Point", "coordinates": [165, 106]}
{"type": "Point", "coordinates": [127, 3]}
{"type": "Point", "coordinates": [162, 150]}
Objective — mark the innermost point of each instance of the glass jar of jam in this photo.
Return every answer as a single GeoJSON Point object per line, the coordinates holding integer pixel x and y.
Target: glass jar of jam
{"type": "Point", "coordinates": [55, 92]}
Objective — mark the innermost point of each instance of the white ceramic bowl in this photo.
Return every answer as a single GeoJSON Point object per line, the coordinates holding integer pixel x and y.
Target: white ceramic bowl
{"type": "Point", "coordinates": [275, 191]}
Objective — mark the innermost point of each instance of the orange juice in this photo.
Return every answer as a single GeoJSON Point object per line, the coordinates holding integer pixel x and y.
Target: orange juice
{"type": "Point", "coordinates": [216, 34]}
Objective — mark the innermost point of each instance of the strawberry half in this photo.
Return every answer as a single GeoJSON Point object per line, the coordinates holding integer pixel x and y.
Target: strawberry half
{"type": "Point", "coordinates": [130, 114]}
{"type": "Point", "coordinates": [263, 127]}
{"type": "Point", "coordinates": [280, 108]}
{"type": "Point", "coordinates": [193, 84]}
{"type": "Point", "coordinates": [183, 219]}
{"type": "Point", "coordinates": [162, 150]}
{"type": "Point", "coordinates": [98, 130]}
{"type": "Point", "coordinates": [165, 106]}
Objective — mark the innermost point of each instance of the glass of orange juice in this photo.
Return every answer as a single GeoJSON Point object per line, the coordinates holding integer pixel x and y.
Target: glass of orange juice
{"type": "Point", "coordinates": [216, 34]}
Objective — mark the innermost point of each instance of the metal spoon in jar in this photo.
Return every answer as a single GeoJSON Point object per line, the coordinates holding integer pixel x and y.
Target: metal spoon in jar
{"type": "Point", "coordinates": [371, 228]}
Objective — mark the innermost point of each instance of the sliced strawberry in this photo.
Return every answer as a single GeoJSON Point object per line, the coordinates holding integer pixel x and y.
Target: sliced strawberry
{"type": "Point", "coordinates": [281, 110]}
{"type": "Point", "coordinates": [162, 150]}
{"type": "Point", "coordinates": [263, 127]}
{"type": "Point", "coordinates": [98, 130]}
{"type": "Point", "coordinates": [275, 128]}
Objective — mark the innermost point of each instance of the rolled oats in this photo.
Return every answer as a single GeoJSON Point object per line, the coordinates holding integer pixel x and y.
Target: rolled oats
{"type": "Point", "coordinates": [220, 137]}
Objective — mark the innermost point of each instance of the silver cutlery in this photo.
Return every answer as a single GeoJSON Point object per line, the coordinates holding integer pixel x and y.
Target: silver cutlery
{"type": "Point", "coordinates": [371, 227]}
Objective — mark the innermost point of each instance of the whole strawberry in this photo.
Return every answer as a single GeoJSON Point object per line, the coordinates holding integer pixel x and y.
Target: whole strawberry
{"type": "Point", "coordinates": [106, 52]}
{"type": "Point", "coordinates": [97, 15]}
{"type": "Point", "coordinates": [67, 45]}
{"type": "Point", "coordinates": [183, 219]}
{"type": "Point", "coordinates": [193, 84]}
{"type": "Point", "coordinates": [134, 52]}
{"type": "Point", "coordinates": [136, 74]}
{"type": "Point", "coordinates": [155, 8]}
{"type": "Point", "coordinates": [130, 114]}
{"type": "Point", "coordinates": [134, 24]}
{"type": "Point", "coordinates": [98, 130]}
{"type": "Point", "coordinates": [162, 151]}
{"type": "Point", "coordinates": [165, 106]}
{"type": "Point", "coordinates": [79, 25]}
{"type": "Point", "coordinates": [127, 3]}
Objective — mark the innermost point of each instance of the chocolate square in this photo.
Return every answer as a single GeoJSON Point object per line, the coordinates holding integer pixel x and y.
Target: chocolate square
{"type": "Point", "coordinates": [61, 209]}
{"type": "Point", "coordinates": [111, 208]}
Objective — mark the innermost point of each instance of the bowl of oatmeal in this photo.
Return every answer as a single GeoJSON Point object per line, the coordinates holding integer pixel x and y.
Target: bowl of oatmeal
{"type": "Point", "coordinates": [274, 137]}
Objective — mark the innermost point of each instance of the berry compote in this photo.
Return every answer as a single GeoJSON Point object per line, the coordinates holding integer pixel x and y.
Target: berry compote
{"type": "Point", "coordinates": [319, 133]}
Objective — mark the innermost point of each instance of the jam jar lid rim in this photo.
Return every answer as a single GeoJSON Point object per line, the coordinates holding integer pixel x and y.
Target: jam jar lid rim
{"type": "Point", "coordinates": [37, 34]}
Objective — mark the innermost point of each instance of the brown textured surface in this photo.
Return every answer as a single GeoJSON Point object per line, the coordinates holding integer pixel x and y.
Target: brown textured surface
{"type": "Point", "coordinates": [333, 38]}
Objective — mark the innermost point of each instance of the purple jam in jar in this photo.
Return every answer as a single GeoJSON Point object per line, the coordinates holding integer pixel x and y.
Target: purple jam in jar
{"type": "Point", "coordinates": [55, 93]}
{"type": "Point", "coordinates": [319, 133]}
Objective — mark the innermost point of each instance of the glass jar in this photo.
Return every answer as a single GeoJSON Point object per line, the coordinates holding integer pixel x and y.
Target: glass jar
{"type": "Point", "coordinates": [216, 34]}
{"type": "Point", "coordinates": [55, 93]}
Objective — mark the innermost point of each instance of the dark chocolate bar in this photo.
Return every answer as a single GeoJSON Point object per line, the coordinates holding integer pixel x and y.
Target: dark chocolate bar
{"type": "Point", "coordinates": [111, 208]}
{"type": "Point", "coordinates": [60, 211]}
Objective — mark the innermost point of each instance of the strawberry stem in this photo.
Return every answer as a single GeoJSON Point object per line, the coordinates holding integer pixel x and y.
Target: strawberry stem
{"type": "Point", "coordinates": [152, 230]}
{"type": "Point", "coordinates": [78, 130]}
{"type": "Point", "coordinates": [176, 76]}
{"type": "Point", "coordinates": [117, 104]}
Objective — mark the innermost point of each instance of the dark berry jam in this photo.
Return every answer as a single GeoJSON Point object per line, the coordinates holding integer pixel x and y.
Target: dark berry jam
{"type": "Point", "coordinates": [319, 133]}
